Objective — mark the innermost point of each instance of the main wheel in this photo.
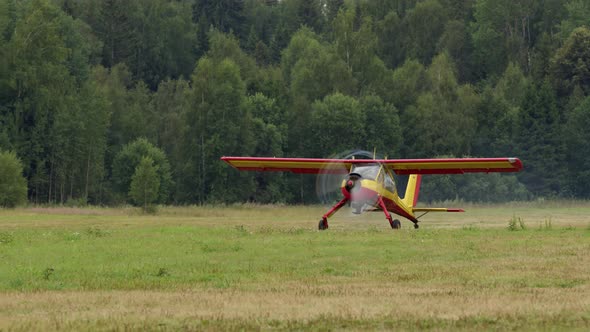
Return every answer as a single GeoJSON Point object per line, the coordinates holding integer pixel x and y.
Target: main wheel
{"type": "Point", "coordinates": [396, 224]}
{"type": "Point", "coordinates": [323, 225]}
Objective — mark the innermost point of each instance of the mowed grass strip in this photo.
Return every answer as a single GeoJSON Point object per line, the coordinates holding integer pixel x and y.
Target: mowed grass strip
{"type": "Point", "coordinates": [116, 269]}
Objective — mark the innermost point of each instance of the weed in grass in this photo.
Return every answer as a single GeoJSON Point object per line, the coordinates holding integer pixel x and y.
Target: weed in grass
{"type": "Point", "coordinates": [16, 283]}
{"type": "Point", "coordinates": [516, 223]}
{"type": "Point", "coordinates": [71, 237]}
{"type": "Point", "coordinates": [470, 228]}
{"type": "Point", "coordinates": [512, 224]}
{"type": "Point", "coordinates": [97, 232]}
{"type": "Point", "coordinates": [295, 231]}
{"type": "Point", "coordinates": [151, 209]}
{"type": "Point", "coordinates": [547, 224]}
{"type": "Point", "coordinates": [47, 273]}
{"type": "Point", "coordinates": [242, 230]}
{"type": "Point", "coordinates": [207, 248]}
{"type": "Point", "coordinates": [162, 272]}
{"type": "Point", "coordinates": [6, 238]}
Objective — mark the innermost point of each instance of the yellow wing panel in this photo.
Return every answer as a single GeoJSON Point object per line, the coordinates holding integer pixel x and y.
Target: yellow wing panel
{"type": "Point", "coordinates": [399, 166]}
{"type": "Point", "coordinates": [453, 165]}
{"type": "Point", "coordinates": [295, 165]}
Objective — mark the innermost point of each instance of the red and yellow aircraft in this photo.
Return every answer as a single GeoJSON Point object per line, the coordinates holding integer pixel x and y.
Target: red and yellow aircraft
{"type": "Point", "coordinates": [369, 183]}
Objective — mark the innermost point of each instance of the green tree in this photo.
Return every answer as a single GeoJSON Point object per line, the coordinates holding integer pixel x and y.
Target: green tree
{"type": "Point", "coordinates": [382, 126]}
{"type": "Point", "coordinates": [540, 145]}
{"type": "Point", "coordinates": [43, 58]}
{"type": "Point", "coordinates": [337, 124]}
{"type": "Point", "coordinates": [357, 46]}
{"type": "Point", "coordinates": [442, 122]}
{"type": "Point", "coordinates": [115, 28]}
{"type": "Point", "coordinates": [310, 13]}
{"type": "Point", "coordinates": [496, 124]}
{"type": "Point", "coordinates": [130, 156]}
{"type": "Point", "coordinates": [571, 64]}
{"type": "Point", "coordinates": [224, 46]}
{"type": "Point", "coordinates": [13, 186]}
{"type": "Point", "coordinates": [312, 71]}
{"type": "Point", "coordinates": [224, 15]}
{"type": "Point", "coordinates": [217, 125]}
{"type": "Point", "coordinates": [425, 23]}
{"type": "Point", "coordinates": [578, 150]}
{"type": "Point", "coordinates": [390, 32]}
{"type": "Point", "coordinates": [166, 41]}
{"type": "Point", "coordinates": [456, 41]}
{"type": "Point", "coordinates": [332, 8]}
{"type": "Point", "coordinates": [409, 81]}
{"type": "Point", "coordinates": [170, 104]}
{"type": "Point", "coordinates": [477, 188]}
{"type": "Point", "coordinates": [145, 183]}
{"type": "Point", "coordinates": [269, 131]}
{"type": "Point", "coordinates": [512, 86]}
{"type": "Point", "coordinates": [502, 32]}
{"type": "Point", "coordinates": [130, 106]}
{"type": "Point", "coordinates": [578, 15]}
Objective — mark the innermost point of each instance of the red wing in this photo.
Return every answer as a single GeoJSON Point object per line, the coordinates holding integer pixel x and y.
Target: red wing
{"type": "Point", "coordinates": [399, 166]}
{"type": "Point", "coordinates": [295, 165]}
{"type": "Point", "coordinates": [453, 165]}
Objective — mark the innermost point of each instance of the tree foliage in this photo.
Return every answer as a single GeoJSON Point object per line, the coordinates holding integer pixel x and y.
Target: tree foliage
{"type": "Point", "coordinates": [145, 183]}
{"type": "Point", "coordinates": [89, 88]}
{"type": "Point", "coordinates": [13, 185]}
{"type": "Point", "coordinates": [127, 161]}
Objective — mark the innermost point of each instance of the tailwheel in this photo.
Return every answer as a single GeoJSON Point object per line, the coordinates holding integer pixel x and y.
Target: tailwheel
{"type": "Point", "coordinates": [323, 225]}
{"type": "Point", "coordinates": [416, 225]}
{"type": "Point", "coordinates": [396, 224]}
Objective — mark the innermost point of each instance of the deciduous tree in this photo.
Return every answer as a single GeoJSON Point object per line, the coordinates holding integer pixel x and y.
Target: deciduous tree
{"type": "Point", "coordinates": [145, 183]}
{"type": "Point", "coordinates": [13, 185]}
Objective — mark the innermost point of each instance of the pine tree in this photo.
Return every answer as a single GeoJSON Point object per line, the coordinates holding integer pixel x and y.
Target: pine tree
{"type": "Point", "coordinates": [540, 145]}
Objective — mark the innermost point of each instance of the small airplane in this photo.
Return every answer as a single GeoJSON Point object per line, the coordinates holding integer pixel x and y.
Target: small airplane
{"type": "Point", "coordinates": [369, 185]}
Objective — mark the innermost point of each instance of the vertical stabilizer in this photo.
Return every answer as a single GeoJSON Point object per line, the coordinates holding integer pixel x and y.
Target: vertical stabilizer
{"type": "Point", "coordinates": [412, 190]}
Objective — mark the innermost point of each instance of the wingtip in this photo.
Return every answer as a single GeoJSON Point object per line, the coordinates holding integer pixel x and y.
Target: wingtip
{"type": "Point", "coordinates": [516, 162]}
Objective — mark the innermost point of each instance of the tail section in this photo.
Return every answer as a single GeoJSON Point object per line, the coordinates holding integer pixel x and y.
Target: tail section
{"type": "Point", "coordinates": [412, 190]}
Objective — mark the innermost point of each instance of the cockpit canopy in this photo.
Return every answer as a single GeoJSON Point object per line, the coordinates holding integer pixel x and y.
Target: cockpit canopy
{"type": "Point", "coordinates": [369, 172]}
{"type": "Point", "coordinates": [377, 173]}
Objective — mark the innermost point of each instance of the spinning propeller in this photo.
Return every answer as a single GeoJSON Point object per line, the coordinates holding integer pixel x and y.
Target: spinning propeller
{"type": "Point", "coordinates": [329, 182]}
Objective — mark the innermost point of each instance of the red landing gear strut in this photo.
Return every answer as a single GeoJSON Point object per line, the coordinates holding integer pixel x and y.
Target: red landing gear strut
{"type": "Point", "coordinates": [324, 221]}
{"type": "Point", "coordinates": [394, 223]}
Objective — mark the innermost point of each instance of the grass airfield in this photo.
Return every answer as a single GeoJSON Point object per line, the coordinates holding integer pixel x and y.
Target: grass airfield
{"type": "Point", "coordinates": [251, 267]}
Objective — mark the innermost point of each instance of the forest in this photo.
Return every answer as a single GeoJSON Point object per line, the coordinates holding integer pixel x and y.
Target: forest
{"type": "Point", "coordinates": [97, 97]}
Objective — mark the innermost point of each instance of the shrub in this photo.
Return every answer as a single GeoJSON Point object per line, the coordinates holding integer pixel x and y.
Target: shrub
{"type": "Point", "coordinates": [13, 186]}
{"type": "Point", "coordinates": [145, 184]}
{"type": "Point", "coordinates": [516, 223]}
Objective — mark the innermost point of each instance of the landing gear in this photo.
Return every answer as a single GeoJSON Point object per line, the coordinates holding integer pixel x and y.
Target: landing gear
{"type": "Point", "coordinates": [416, 225]}
{"type": "Point", "coordinates": [323, 225]}
{"type": "Point", "coordinates": [395, 224]}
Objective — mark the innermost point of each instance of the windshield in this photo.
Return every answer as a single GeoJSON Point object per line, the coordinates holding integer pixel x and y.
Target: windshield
{"type": "Point", "coordinates": [367, 172]}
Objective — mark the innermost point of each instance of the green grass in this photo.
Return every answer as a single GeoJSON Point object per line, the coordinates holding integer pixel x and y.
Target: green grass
{"type": "Point", "coordinates": [250, 267]}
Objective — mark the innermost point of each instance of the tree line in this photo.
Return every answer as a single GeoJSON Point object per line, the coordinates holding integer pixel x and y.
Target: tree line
{"type": "Point", "coordinates": [97, 95]}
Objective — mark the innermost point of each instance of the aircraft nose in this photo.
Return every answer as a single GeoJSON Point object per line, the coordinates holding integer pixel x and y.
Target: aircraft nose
{"type": "Point", "coordinates": [351, 183]}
